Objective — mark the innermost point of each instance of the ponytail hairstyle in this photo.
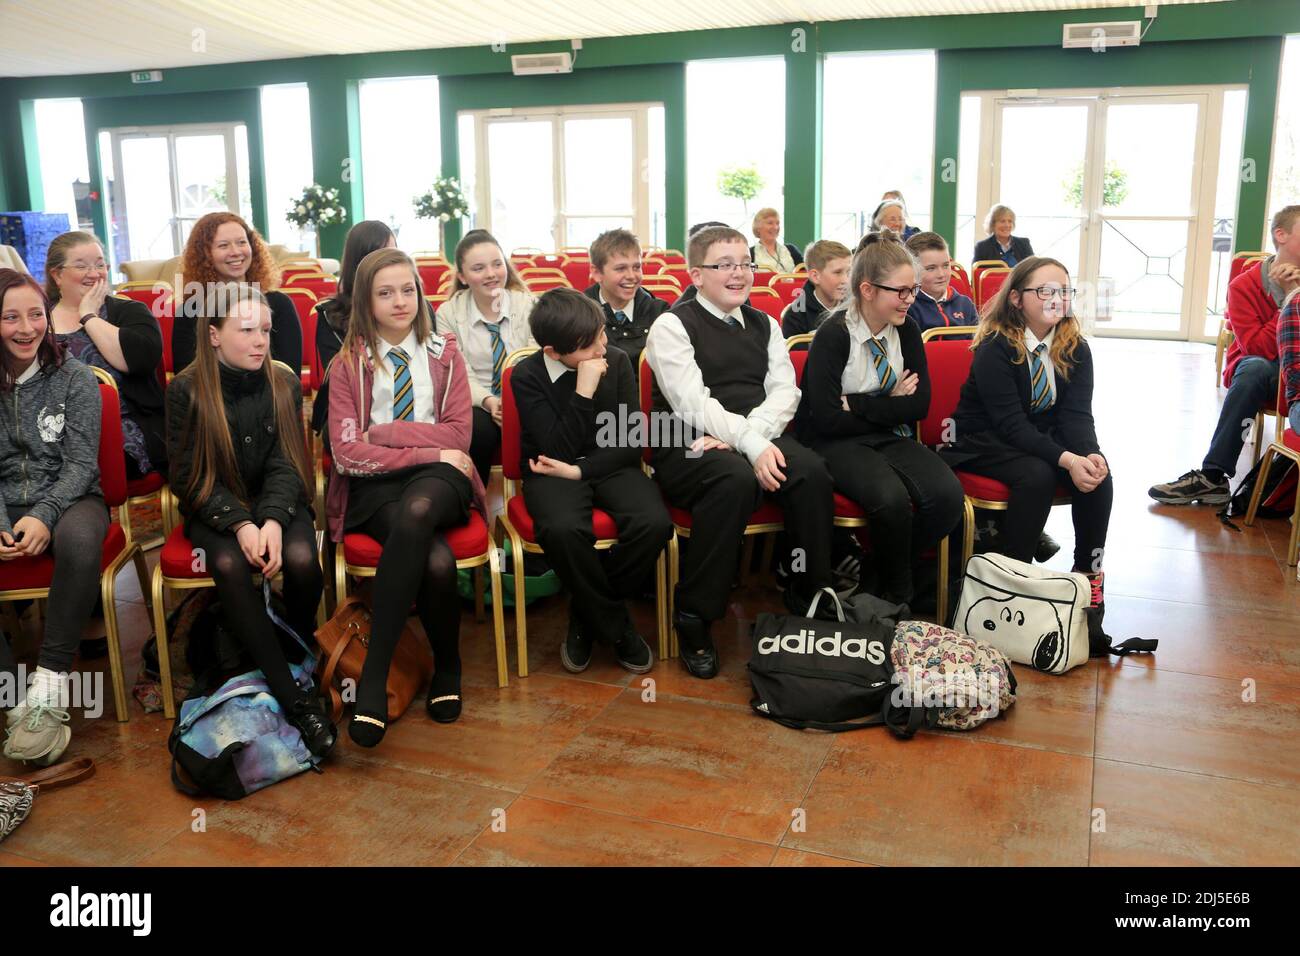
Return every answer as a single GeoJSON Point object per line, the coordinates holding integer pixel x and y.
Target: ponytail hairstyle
{"type": "Point", "coordinates": [1004, 318]}
{"type": "Point", "coordinates": [206, 431]}
{"type": "Point", "coordinates": [363, 238]}
{"type": "Point", "coordinates": [477, 237]}
{"type": "Point", "coordinates": [878, 254]}
{"type": "Point", "coordinates": [363, 330]}
{"type": "Point", "coordinates": [49, 354]}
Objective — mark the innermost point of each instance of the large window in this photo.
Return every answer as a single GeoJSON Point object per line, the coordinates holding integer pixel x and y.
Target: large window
{"type": "Point", "coordinates": [286, 157]}
{"type": "Point", "coordinates": [1284, 182]}
{"type": "Point", "coordinates": [401, 155]}
{"type": "Point", "coordinates": [735, 141]}
{"type": "Point", "coordinates": [878, 136]}
{"type": "Point", "coordinates": [65, 174]}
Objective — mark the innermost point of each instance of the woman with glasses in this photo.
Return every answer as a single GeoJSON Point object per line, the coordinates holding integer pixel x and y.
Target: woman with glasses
{"type": "Point", "coordinates": [120, 336]}
{"type": "Point", "coordinates": [1025, 417]}
{"type": "Point", "coordinates": [864, 388]}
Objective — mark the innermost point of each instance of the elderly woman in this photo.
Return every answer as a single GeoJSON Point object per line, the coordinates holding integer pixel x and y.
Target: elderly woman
{"type": "Point", "coordinates": [120, 336]}
{"type": "Point", "coordinates": [1000, 244]}
{"type": "Point", "coordinates": [892, 214]}
{"type": "Point", "coordinates": [768, 253]}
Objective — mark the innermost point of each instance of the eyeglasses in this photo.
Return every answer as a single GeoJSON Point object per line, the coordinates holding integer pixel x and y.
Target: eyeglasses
{"type": "Point", "coordinates": [907, 292]}
{"type": "Point", "coordinates": [87, 266]}
{"type": "Point", "coordinates": [1046, 292]}
{"type": "Point", "coordinates": [729, 267]}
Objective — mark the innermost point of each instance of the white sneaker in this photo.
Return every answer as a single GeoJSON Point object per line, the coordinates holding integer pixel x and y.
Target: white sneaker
{"type": "Point", "coordinates": [39, 734]}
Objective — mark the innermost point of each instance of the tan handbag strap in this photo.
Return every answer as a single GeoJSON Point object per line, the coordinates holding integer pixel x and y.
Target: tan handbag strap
{"type": "Point", "coordinates": [336, 654]}
{"type": "Point", "coordinates": [60, 775]}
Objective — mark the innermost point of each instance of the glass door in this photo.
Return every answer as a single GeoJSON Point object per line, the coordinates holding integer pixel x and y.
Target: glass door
{"type": "Point", "coordinates": [161, 180]}
{"type": "Point", "coordinates": [1040, 172]}
{"type": "Point", "coordinates": [1145, 211]}
{"type": "Point", "coordinates": [556, 177]}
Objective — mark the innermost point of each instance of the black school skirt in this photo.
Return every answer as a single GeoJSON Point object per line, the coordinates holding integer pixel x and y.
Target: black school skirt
{"type": "Point", "coordinates": [367, 495]}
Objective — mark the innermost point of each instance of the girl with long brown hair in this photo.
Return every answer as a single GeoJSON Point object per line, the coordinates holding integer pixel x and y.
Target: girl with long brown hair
{"type": "Point", "coordinates": [399, 425]}
{"type": "Point", "coordinates": [1025, 416]}
{"type": "Point", "coordinates": [222, 250]}
{"type": "Point", "coordinates": [240, 471]}
{"type": "Point", "coordinates": [488, 313]}
{"type": "Point", "coordinates": [50, 499]}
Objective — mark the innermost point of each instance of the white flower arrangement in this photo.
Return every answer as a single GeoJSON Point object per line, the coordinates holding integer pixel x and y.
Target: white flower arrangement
{"type": "Point", "coordinates": [444, 202]}
{"type": "Point", "coordinates": [317, 207]}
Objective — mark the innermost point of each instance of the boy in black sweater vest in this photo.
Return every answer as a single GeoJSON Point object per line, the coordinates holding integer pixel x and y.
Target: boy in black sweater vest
{"type": "Point", "coordinates": [722, 367]}
{"type": "Point", "coordinates": [629, 309]}
{"type": "Point", "coordinates": [564, 393]}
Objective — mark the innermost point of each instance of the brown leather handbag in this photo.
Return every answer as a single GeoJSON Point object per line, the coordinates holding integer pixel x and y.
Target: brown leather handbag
{"type": "Point", "coordinates": [344, 640]}
{"type": "Point", "coordinates": [17, 793]}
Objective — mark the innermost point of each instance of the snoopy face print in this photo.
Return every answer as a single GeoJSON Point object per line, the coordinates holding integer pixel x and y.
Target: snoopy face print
{"type": "Point", "coordinates": [50, 422]}
{"type": "Point", "coordinates": [1020, 621]}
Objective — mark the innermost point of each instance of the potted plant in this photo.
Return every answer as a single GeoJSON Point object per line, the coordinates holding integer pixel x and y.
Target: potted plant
{"type": "Point", "coordinates": [317, 207]}
{"type": "Point", "coordinates": [740, 182]}
{"type": "Point", "coordinates": [444, 202]}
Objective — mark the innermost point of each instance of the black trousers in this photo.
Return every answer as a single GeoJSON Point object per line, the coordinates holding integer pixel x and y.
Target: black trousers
{"type": "Point", "coordinates": [599, 582]}
{"type": "Point", "coordinates": [1033, 483]}
{"type": "Point", "coordinates": [241, 600]}
{"type": "Point", "coordinates": [484, 442]}
{"type": "Point", "coordinates": [911, 497]}
{"type": "Point", "coordinates": [721, 491]}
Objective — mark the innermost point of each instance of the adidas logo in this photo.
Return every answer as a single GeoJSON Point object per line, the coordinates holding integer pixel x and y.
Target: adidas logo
{"type": "Point", "coordinates": [807, 642]}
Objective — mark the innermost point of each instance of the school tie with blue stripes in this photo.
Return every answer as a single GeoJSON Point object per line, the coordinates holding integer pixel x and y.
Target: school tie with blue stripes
{"type": "Point", "coordinates": [1041, 394]}
{"type": "Point", "coordinates": [403, 391]}
{"type": "Point", "coordinates": [888, 378]}
{"type": "Point", "coordinates": [498, 355]}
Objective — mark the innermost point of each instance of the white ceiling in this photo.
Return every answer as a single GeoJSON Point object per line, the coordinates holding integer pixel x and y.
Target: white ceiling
{"type": "Point", "coordinates": [47, 37]}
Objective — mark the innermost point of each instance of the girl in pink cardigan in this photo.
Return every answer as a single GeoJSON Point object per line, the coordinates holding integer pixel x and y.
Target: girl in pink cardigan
{"type": "Point", "coordinates": [399, 421]}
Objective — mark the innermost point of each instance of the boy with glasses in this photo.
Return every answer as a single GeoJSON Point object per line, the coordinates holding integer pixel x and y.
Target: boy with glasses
{"type": "Point", "coordinates": [722, 367]}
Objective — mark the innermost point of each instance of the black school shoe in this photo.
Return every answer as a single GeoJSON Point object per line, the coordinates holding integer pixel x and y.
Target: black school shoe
{"type": "Point", "coordinates": [1046, 549]}
{"type": "Point", "coordinates": [575, 651]}
{"type": "Point", "coordinates": [307, 713]}
{"type": "Point", "coordinates": [699, 656]}
{"type": "Point", "coordinates": [632, 652]}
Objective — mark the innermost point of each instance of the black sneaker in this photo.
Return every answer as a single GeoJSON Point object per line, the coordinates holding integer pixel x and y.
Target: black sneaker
{"type": "Point", "coordinates": [633, 653]}
{"type": "Point", "coordinates": [1192, 488]}
{"type": "Point", "coordinates": [1047, 548]}
{"type": "Point", "coordinates": [575, 652]}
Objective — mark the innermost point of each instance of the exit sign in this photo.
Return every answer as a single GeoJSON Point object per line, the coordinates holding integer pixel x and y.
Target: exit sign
{"type": "Point", "coordinates": [147, 76]}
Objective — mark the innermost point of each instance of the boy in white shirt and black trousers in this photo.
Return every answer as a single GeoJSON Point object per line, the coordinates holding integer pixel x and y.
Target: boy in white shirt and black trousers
{"type": "Point", "coordinates": [722, 367]}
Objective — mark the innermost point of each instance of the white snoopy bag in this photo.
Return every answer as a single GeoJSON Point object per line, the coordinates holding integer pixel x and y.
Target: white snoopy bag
{"type": "Point", "coordinates": [1034, 616]}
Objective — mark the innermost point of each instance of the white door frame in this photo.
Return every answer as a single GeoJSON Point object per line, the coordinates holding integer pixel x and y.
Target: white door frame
{"type": "Point", "coordinates": [637, 112]}
{"type": "Point", "coordinates": [226, 130]}
{"type": "Point", "coordinates": [1205, 170]}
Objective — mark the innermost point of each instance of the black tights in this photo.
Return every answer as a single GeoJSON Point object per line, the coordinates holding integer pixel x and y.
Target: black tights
{"type": "Point", "coordinates": [416, 565]}
{"type": "Point", "coordinates": [241, 600]}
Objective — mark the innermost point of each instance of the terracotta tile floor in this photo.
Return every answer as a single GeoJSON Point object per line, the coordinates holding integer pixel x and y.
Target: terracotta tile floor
{"type": "Point", "coordinates": [1187, 757]}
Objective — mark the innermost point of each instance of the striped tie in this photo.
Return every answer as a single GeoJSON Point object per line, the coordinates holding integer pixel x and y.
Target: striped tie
{"type": "Point", "coordinates": [403, 391]}
{"type": "Point", "coordinates": [498, 355]}
{"type": "Point", "coordinates": [888, 378]}
{"type": "Point", "coordinates": [1042, 395]}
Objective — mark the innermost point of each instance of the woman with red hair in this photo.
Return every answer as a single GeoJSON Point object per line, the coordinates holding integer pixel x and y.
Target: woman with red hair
{"type": "Point", "coordinates": [224, 249]}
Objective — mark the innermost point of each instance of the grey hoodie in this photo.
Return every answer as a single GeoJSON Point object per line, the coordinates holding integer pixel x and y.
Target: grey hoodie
{"type": "Point", "coordinates": [49, 443]}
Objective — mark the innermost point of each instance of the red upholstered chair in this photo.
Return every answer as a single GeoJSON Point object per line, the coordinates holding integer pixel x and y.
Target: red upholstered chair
{"type": "Point", "coordinates": [766, 519]}
{"type": "Point", "coordinates": [431, 273]}
{"type": "Point", "coordinates": [948, 355]}
{"type": "Point", "coordinates": [1242, 259]}
{"type": "Point", "coordinates": [304, 303]}
{"type": "Point", "coordinates": [538, 285]}
{"type": "Point", "coordinates": [987, 285]}
{"type": "Point", "coordinates": [767, 300]}
{"type": "Point", "coordinates": [321, 284]}
{"type": "Point", "coordinates": [848, 513]}
{"type": "Point", "coordinates": [578, 273]}
{"type": "Point", "coordinates": [788, 285]}
{"type": "Point", "coordinates": [652, 265]}
{"type": "Point", "coordinates": [1276, 411]}
{"type": "Point", "coordinates": [516, 523]}
{"type": "Point", "coordinates": [977, 270]}
{"type": "Point", "coordinates": [960, 281]}
{"type": "Point", "coordinates": [678, 272]}
{"type": "Point", "coordinates": [31, 578]}
{"type": "Point", "coordinates": [672, 256]}
{"type": "Point", "coordinates": [665, 292]}
{"type": "Point", "coordinates": [1288, 446]}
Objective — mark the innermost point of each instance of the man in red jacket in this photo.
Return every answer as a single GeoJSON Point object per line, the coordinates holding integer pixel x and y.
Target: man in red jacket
{"type": "Point", "coordinates": [1254, 301]}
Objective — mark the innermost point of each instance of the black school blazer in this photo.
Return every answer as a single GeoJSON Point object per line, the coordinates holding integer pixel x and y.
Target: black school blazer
{"type": "Point", "coordinates": [993, 410]}
{"type": "Point", "coordinates": [989, 249]}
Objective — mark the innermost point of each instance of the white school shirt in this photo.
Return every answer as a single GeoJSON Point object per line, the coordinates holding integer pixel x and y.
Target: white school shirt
{"type": "Point", "coordinates": [860, 370]}
{"type": "Point", "coordinates": [381, 392]}
{"type": "Point", "coordinates": [626, 311]}
{"type": "Point", "coordinates": [1031, 343]}
{"type": "Point", "coordinates": [31, 370]}
{"type": "Point", "coordinates": [477, 347]}
{"type": "Point", "coordinates": [555, 368]}
{"type": "Point", "coordinates": [672, 359]}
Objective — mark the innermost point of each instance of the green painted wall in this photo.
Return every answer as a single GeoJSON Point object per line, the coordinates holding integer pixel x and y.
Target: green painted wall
{"type": "Point", "coordinates": [1187, 44]}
